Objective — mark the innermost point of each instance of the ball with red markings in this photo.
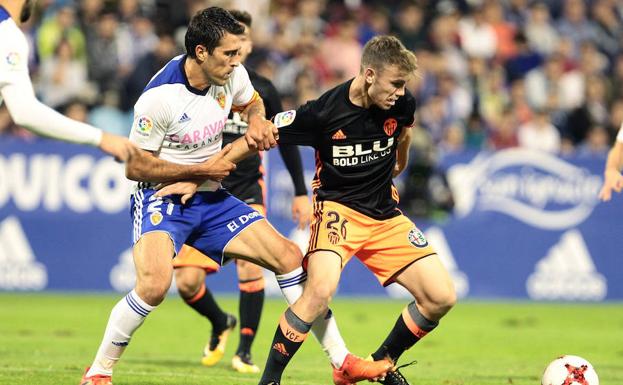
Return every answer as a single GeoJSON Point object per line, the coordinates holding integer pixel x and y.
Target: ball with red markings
{"type": "Point", "coordinates": [570, 370]}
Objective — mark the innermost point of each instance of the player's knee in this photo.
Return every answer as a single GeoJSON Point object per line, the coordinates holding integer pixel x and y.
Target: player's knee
{"type": "Point", "coordinates": [188, 281]}
{"type": "Point", "coordinates": [248, 270]}
{"type": "Point", "coordinates": [441, 302]}
{"type": "Point", "coordinates": [448, 301]}
{"type": "Point", "coordinates": [187, 288]}
{"type": "Point", "coordinates": [321, 294]}
{"type": "Point", "coordinates": [291, 258]}
{"type": "Point", "coordinates": [152, 291]}
{"type": "Point", "coordinates": [315, 304]}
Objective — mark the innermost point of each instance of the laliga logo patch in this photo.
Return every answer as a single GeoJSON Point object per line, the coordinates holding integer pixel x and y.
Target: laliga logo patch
{"type": "Point", "coordinates": [13, 59]}
{"type": "Point", "coordinates": [285, 118]}
{"type": "Point", "coordinates": [144, 125]}
{"type": "Point", "coordinates": [220, 98]}
{"type": "Point", "coordinates": [417, 239]}
{"type": "Point", "coordinates": [155, 218]}
{"type": "Point", "coordinates": [390, 126]}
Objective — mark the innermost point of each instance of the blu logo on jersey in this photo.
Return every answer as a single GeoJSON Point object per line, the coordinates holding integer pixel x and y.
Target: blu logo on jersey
{"type": "Point", "coordinates": [355, 154]}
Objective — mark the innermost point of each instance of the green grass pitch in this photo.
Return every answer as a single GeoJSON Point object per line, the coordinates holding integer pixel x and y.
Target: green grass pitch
{"type": "Point", "coordinates": [48, 339]}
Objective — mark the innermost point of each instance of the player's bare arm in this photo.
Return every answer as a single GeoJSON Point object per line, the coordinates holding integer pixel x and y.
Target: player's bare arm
{"type": "Point", "coordinates": [301, 211]}
{"type": "Point", "coordinates": [117, 146]}
{"type": "Point", "coordinates": [402, 152]}
{"type": "Point", "coordinates": [261, 133]}
{"type": "Point", "coordinates": [187, 187]}
{"type": "Point", "coordinates": [148, 168]}
{"type": "Point", "coordinates": [28, 112]}
{"type": "Point", "coordinates": [613, 180]}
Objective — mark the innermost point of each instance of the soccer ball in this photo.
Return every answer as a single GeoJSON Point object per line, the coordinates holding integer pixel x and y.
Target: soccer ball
{"type": "Point", "coordinates": [570, 370]}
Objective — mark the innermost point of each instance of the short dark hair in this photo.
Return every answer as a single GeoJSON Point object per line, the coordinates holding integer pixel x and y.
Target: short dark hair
{"type": "Point", "coordinates": [243, 17]}
{"type": "Point", "coordinates": [207, 28]}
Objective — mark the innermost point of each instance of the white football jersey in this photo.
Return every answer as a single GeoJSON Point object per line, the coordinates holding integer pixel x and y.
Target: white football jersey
{"type": "Point", "coordinates": [13, 53]}
{"type": "Point", "coordinates": [181, 124]}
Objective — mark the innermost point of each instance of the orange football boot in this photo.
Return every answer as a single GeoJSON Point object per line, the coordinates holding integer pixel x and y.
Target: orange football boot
{"type": "Point", "coordinates": [97, 379]}
{"type": "Point", "coordinates": [355, 369]}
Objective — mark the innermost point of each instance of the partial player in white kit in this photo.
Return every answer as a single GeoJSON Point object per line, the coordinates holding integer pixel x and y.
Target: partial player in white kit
{"type": "Point", "coordinates": [178, 123]}
{"type": "Point", "coordinates": [18, 94]}
{"type": "Point", "coordinates": [613, 180]}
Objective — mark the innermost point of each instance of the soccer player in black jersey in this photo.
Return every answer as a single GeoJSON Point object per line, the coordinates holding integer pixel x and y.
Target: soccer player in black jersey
{"type": "Point", "coordinates": [361, 132]}
{"type": "Point", "coordinates": [245, 183]}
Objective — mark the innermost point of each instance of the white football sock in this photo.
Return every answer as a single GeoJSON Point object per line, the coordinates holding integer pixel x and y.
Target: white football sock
{"type": "Point", "coordinates": [127, 316]}
{"type": "Point", "coordinates": [327, 333]}
{"type": "Point", "coordinates": [324, 328]}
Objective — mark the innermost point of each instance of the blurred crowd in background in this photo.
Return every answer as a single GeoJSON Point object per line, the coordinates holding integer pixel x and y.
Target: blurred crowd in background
{"type": "Point", "coordinates": [493, 74]}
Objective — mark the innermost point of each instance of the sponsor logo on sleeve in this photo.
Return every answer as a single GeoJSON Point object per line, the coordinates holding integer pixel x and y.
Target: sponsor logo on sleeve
{"type": "Point", "coordinates": [285, 118]}
{"type": "Point", "coordinates": [144, 125]}
{"type": "Point", "coordinates": [13, 59]}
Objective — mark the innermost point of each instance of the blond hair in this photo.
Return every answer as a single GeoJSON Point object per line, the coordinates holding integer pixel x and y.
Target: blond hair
{"type": "Point", "coordinates": [384, 50]}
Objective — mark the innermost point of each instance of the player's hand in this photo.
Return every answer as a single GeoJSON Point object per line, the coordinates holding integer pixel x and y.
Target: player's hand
{"type": "Point", "coordinates": [186, 189]}
{"type": "Point", "coordinates": [397, 170]}
{"type": "Point", "coordinates": [217, 167]}
{"type": "Point", "coordinates": [301, 211]}
{"type": "Point", "coordinates": [117, 146]}
{"type": "Point", "coordinates": [613, 180]}
{"type": "Point", "coordinates": [261, 134]}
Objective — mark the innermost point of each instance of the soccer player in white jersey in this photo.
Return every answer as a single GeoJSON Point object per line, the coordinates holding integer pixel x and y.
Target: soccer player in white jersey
{"type": "Point", "coordinates": [613, 180]}
{"type": "Point", "coordinates": [178, 123]}
{"type": "Point", "coordinates": [17, 92]}
{"type": "Point", "coordinates": [247, 184]}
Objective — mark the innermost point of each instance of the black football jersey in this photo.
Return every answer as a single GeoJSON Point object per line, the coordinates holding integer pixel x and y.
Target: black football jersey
{"type": "Point", "coordinates": [355, 149]}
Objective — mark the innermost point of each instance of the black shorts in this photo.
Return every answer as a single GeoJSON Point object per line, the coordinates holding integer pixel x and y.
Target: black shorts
{"type": "Point", "coordinates": [250, 192]}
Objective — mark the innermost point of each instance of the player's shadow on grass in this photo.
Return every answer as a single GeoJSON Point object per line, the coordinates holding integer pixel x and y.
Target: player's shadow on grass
{"type": "Point", "coordinates": [505, 379]}
{"type": "Point", "coordinates": [166, 362]}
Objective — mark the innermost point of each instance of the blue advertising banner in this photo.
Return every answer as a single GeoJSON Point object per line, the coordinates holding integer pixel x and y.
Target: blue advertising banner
{"type": "Point", "coordinates": [526, 225]}
{"type": "Point", "coordinates": [529, 225]}
{"type": "Point", "coordinates": [65, 220]}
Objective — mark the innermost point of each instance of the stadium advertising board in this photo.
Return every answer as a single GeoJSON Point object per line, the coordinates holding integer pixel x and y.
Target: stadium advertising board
{"type": "Point", "coordinates": [526, 225]}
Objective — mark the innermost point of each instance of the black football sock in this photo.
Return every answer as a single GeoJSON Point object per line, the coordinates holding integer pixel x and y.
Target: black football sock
{"type": "Point", "coordinates": [289, 337]}
{"type": "Point", "coordinates": [250, 310]}
{"type": "Point", "coordinates": [203, 302]}
{"type": "Point", "coordinates": [410, 327]}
